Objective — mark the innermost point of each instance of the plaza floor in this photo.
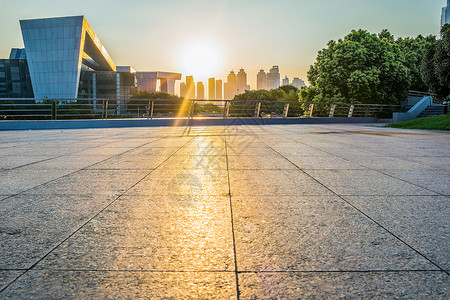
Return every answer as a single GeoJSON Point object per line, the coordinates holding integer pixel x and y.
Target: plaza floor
{"type": "Point", "coordinates": [249, 212]}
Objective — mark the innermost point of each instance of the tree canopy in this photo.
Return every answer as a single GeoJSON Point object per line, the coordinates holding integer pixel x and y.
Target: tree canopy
{"type": "Point", "coordinates": [367, 68]}
{"type": "Point", "coordinates": [284, 93]}
{"type": "Point", "coordinates": [436, 65]}
{"type": "Point", "coordinates": [153, 95]}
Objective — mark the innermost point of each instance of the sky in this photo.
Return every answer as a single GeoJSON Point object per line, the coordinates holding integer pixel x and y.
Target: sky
{"type": "Point", "coordinates": [209, 38]}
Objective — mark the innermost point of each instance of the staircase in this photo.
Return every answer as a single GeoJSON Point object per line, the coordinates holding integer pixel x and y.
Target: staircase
{"type": "Point", "coordinates": [432, 110]}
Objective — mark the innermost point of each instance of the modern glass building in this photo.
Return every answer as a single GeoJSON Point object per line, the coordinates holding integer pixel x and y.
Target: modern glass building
{"type": "Point", "coordinates": [15, 81]}
{"type": "Point", "coordinates": [65, 59]}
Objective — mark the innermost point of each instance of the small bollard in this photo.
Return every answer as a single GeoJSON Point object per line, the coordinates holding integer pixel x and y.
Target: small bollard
{"type": "Point", "coordinates": [445, 106]}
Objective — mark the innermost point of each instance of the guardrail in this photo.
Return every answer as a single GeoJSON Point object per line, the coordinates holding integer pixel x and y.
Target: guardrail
{"type": "Point", "coordinates": [57, 109]}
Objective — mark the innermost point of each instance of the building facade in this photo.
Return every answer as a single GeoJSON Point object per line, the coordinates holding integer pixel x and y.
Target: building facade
{"type": "Point", "coordinates": [230, 87]}
{"type": "Point", "coordinates": [200, 90]}
{"type": "Point", "coordinates": [445, 17]}
{"type": "Point", "coordinates": [219, 93]}
{"type": "Point", "coordinates": [212, 88]}
{"type": "Point", "coordinates": [273, 78]}
{"type": "Point", "coordinates": [241, 79]}
{"type": "Point", "coordinates": [285, 81]}
{"type": "Point", "coordinates": [298, 83]}
{"type": "Point", "coordinates": [65, 59]}
{"type": "Point", "coordinates": [15, 81]}
{"type": "Point", "coordinates": [261, 79]}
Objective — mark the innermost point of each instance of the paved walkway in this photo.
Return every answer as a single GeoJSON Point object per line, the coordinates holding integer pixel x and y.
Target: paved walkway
{"type": "Point", "coordinates": [287, 211]}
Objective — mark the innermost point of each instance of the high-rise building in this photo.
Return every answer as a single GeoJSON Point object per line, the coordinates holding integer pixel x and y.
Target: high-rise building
{"type": "Point", "coordinates": [200, 90]}
{"type": "Point", "coordinates": [219, 89]}
{"type": "Point", "coordinates": [298, 83]}
{"type": "Point", "coordinates": [242, 85]}
{"type": "Point", "coordinates": [285, 81]}
{"type": "Point", "coordinates": [230, 86]}
{"type": "Point", "coordinates": [212, 88]}
{"type": "Point", "coordinates": [445, 17]}
{"type": "Point", "coordinates": [190, 87]}
{"type": "Point", "coordinates": [273, 78]}
{"type": "Point", "coordinates": [183, 90]}
{"type": "Point", "coordinates": [261, 79]}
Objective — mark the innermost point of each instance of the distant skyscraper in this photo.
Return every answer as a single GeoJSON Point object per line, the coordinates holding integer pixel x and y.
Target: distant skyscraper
{"type": "Point", "coordinates": [298, 83]}
{"type": "Point", "coordinates": [219, 90]}
{"type": "Point", "coordinates": [230, 86]}
{"type": "Point", "coordinates": [285, 81]}
{"type": "Point", "coordinates": [261, 80]}
{"type": "Point", "coordinates": [200, 90]}
{"type": "Point", "coordinates": [445, 17]}
{"type": "Point", "coordinates": [183, 90]}
{"type": "Point", "coordinates": [190, 87]}
{"type": "Point", "coordinates": [242, 85]}
{"type": "Point", "coordinates": [212, 89]}
{"type": "Point", "coordinates": [273, 78]}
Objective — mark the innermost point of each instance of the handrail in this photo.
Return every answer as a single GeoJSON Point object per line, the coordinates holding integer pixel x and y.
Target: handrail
{"type": "Point", "coordinates": [79, 108]}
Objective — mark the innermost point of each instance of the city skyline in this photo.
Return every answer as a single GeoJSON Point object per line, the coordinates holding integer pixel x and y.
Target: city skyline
{"type": "Point", "coordinates": [286, 34]}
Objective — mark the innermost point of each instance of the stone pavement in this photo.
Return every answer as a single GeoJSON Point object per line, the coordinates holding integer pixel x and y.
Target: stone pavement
{"type": "Point", "coordinates": [249, 212]}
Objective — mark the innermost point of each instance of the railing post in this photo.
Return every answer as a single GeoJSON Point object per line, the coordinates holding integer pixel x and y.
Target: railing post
{"type": "Point", "coordinates": [310, 110]}
{"type": "Point", "coordinates": [257, 109]}
{"type": "Point", "coordinates": [106, 109]}
{"type": "Point", "coordinates": [103, 108]}
{"type": "Point", "coordinates": [332, 109]}
{"type": "Point", "coordinates": [366, 114]}
{"type": "Point", "coordinates": [226, 110]}
{"type": "Point", "coordinates": [350, 112]}
{"type": "Point", "coordinates": [191, 109]}
{"type": "Point", "coordinates": [151, 110]}
{"type": "Point", "coordinates": [286, 110]}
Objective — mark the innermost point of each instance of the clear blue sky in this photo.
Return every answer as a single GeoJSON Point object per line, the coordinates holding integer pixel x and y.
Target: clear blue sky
{"type": "Point", "coordinates": [154, 35]}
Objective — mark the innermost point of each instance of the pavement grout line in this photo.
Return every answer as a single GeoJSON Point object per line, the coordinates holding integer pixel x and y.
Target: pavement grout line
{"type": "Point", "coordinates": [232, 221]}
{"type": "Point", "coordinates": [97, 214]}
{"type": "Point", "coordinates": [370, 218]}
{"type": "Point", "coordinates": [227, 271]}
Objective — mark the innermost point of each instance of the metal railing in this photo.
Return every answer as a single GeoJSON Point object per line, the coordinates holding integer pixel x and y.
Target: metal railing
{"type": "Point", "coordinates": [56, 109]}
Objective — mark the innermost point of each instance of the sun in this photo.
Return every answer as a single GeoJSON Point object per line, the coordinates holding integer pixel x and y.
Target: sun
{"type": "Point", "coordinates": [202, 60]}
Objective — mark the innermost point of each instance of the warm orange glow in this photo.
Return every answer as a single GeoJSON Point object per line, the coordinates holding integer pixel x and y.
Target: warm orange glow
{"type": "Point", "coordinates": [201, 59]}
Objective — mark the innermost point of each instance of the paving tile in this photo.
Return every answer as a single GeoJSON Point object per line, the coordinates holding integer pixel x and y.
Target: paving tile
{"type": "Point", "coordinates": [365, 182]}
{"type": "Point", "coordinates": [130, 162]}
{"type": "Point", "coordinates": [146, 152]}
{"type": "Point", "coordinates": [92, 182]}
{"type": "Point", "coordinates": [69, 162]}
{"type": "Point", "coordinates": [421, 221]}
{"type": "Point", "coordinates": [329, 162]}
{"type": "Point", "coordinates": [122, 285]}
{"type": "Point", "coordinates": [33, 224]}
{"type": "Point", "coordinates": [274, 182]}
{"type": "Point", "coordinates": [14, 161]}
{"type": "Point", "coordinates": [7, 276]}
{"type": "Point", "coordinates": [185, 182]}
{"type": "Point", "coordinates": [152, 233]}
{"type": "Point", "coordinates": [253, 162]}
{"type": "Point", "coordinates": [195, 162]}
{"type": "Point", "coordinates": [398, 285]}
{"type": "Point", "coordinates": [314, 234]}
{"type": "Point", "coordinates": [265, 151]}
{"type": "Point", "coordinates": [21, 179]}
{"type": "Point", "coordinates": [383, 162]}
{"type": "Point", "coordinates": [436, 162]}
{"type": "Point", "coordinates": [434, 180]}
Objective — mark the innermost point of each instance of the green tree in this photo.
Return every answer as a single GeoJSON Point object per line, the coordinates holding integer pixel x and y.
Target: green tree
{"type": "Point", "coordinates": [413, 50]}
{"type": "Point", "coordinates": [436, 65]}
{"type": "Point", "coordinates": [361, 68]}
